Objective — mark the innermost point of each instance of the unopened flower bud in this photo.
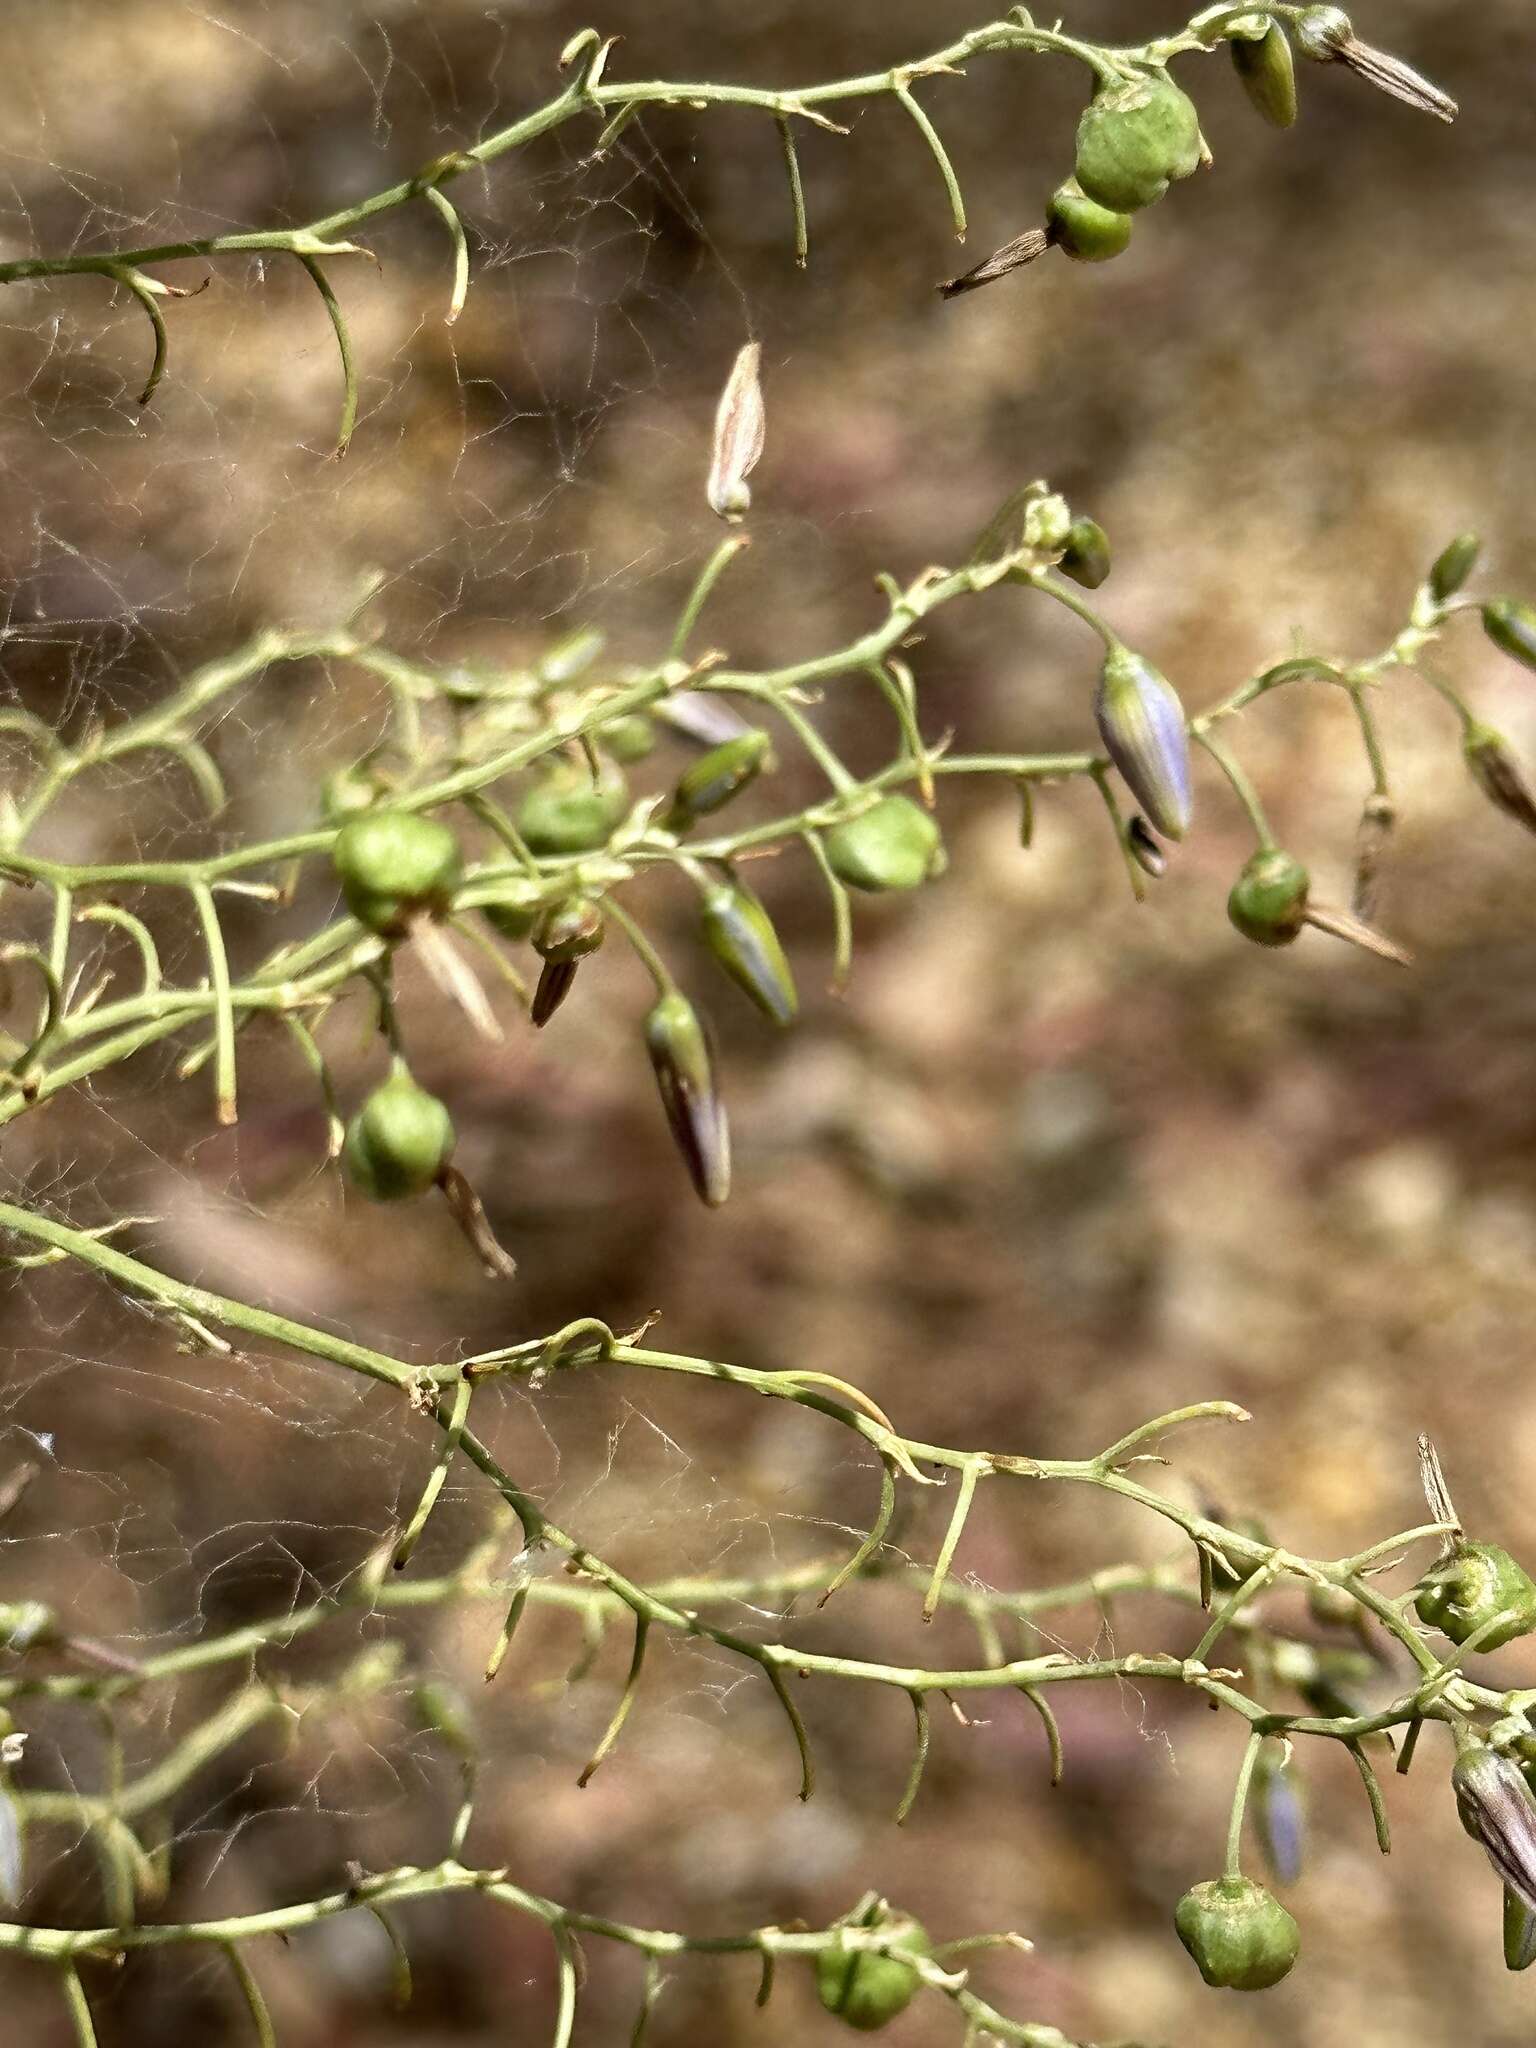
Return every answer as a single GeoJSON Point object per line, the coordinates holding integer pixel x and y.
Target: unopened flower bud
{"type": "Point", "coordinates": [1135, 138]}
{"type": "Point", "coordinates": [1496, 1809]}
{"type": "Point", "coordinates": [1086, 557]}
{"type": "Point", "coordinates": [1264, 63]}
{"type": "Point", "coordinates": [893, 845]}
{"type": "Point", "coordinates": [1142, 725]}
{"type": "Point", "coordinates": [740, 428]}
{"type": "Point", "coordinates": [1453, 565]}
{"type": "Point", "coordinates": [348, 792]}
{"type": "Point", "coordinates": [1512, 627]}
{"type": "Point", "coordinates": [1498, 774]}
{"type": "Point", "coordinates": [1326, 34]}
{"type": "Point", "coordinates": [1519, 1933]}
{"type": "Point", "coordinates": [400, 1142]}
{"type": "Point", "coordinates": [1082, 229]}
{"type": "Point", "coordinates": [511, 918]}
{"type": "Point", "coordinates": [627, 739]}
{"type": "Point", "coordinates": [685, 1076]}
{"type": "Point", "coordinates": [866, 1989]}
{"type": "Point", "coordinates": [1240, 1935]}
{"type": "Point", "coordinates": [394, 867]}
{"type": "Point", "coordinates": [1279, 1815]}
{"type": "Point", "coordinates": [739, 933]}
{"type": "Point", "coordinates": [711, 781]}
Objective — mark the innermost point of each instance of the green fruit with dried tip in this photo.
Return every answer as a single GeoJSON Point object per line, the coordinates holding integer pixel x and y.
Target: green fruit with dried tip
{"type": "Point", "coordinates": [739, 933]}
{"type": "Point", "coordinates": [399, 1143]}
{"type": "Point", "coordinates": [395, 866]}
{"type": "Point", "coordinates": [866, 1990]}
{"type": "Point", "coordinates": [1511, 627]}
{"type": "Point", "coordinates": [566, 812]}
{"type": "Point", "coordinates": [1240, 1936]}
{"type": "Point", "coordinates": [1478, 1582]}
{"type": "Point", "coordinates": [1134, 139]}
{"type": "Point", "coordinates": [894, 845]}
{"type": "Point", "coordinates": [1268, 73]}
{"type": "Point", "coordinates": [1082, 229]}
{"type": "Point", "coordinates": [1268, 903]}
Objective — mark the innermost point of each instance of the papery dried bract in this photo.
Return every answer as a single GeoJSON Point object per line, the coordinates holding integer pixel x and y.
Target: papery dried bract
{"type": "Point", "coordinates": [740, 428]}
{"type": "Point", "coordinates": [1142, 725]}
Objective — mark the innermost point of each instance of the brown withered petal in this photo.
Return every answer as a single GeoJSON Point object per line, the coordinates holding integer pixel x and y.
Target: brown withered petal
{"type": "Point", "coordinates": [1025, 248]}
{"type": "Point", "coordinates": [1498, 1811]}
{"type": "Point", "coordinates": [1376, 822]}
{"type": "Point", "coordinates": [1365, 936]}
{"type": "Point", "coordinates": [554, 985]}
{"type": "Point", "coordinates": [1400, 81]}
{"type": "Point", "coordinates": [740, 428]}
{"type": "Point", "coordinates": [472, 1220]}
{"type": "Point", "coordinates": [1499, 776]}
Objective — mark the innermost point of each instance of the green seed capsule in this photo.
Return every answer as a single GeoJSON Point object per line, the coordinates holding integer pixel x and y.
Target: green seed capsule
{"type": "Point", "coordinates": [1268, 903]}
{"type": "Point", "coordinates": [711, 781]}
{"type": "Point", "coordinates": [1512, 627]}
{"type": "Point", "coordinates": [1086, 558]}
{"type": "Point", "coordinates": [627, 739]}
{"type": "Point", "coordinates": [867, 1990]}
{"type": "Point", "coordinates": [1082, 229]}
{"type": "Point", "coordinates": [396, 866]}
{"type": "Point", "coordinates": [740, 935]}
{"type": "Point", "coordinates": [1453, 565]}
{"type": "Point", "coordinates": [570, 930]}
{"type": "Point", "coordinates": [894, 845]}
{"type": "Point", "coordinates": [566, 812]}
{"type": "Point", "coordinates": [400, 1141]}
{"type": "Point", "coordinates": [1477, 1582]}
{"type": "Point", "coordinates": [1268, 72]}
{"type": "Point", "coordinates": [685, 1077]}
{"type": "Point", "coordinates": [1134, 139]}
{"type": "Point", "coordinates": [1240, 1935]}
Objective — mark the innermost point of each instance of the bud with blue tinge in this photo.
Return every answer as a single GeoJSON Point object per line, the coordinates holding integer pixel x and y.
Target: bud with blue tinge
{"type": "Point", "coordinates": [740, 935]}
{"type": "Point", "coordinates": [1497, 1810]}
{"type": "Point", "coordinates": [685, 1076]}
{"type": "Point", "coordinates": [1279, 1815]}
{"type": "Point", "coordinates": [1142, 725]}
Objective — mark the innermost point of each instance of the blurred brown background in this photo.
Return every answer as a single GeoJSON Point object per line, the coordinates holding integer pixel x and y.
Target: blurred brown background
{"type": "Point", "coordinates": [1054, 1163]}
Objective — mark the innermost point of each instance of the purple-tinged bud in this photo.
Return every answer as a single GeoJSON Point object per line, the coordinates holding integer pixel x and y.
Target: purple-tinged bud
{"type": "Point", "coordinates": [740, 935]}
{"type": "Point", "coordinates": [1279, 1816]}
{"type": "Point", "coordinates": [680, 1057]}
{"type": "Point", "coordinates": [1498, 774]}
{"type": "Point", "coordinates": [1497, 1810]}
{"type": "Point", "coordinates": [1144, 849]}
{"type": "Point", "coordinates": [1511, 627]}
{"type": "Point", "coordinates": [1142, 725]}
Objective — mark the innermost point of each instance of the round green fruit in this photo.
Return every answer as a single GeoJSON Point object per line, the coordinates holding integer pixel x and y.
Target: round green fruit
{"type": "Point", "coordinates": [894, 845]}
{"type": "Point", "coordinates": [399, 1142]}
{"type": "Point", "coordinates": [1477, 1583]}
{"type": "Point", "coordinates": [396, 866]}
{"type": "Point", "coordinates": [867, 1990]}
{"type": "Point", "coordinates": [568, 813]}
{"type": "Point", "coordinates": [1084, 230]}
{"type": "Point", "coordinates": [1134, 139]}
{"type": "Point", "coordinates": [1268, 903]}
{"type": "Point", "coordinates": [1241, 1937]}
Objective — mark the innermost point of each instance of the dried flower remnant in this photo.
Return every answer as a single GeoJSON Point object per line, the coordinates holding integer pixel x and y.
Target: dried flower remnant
{"type": "Point", "coordinates": [1327, 35]}
{"type": "Point", "coordinates": [1498, 774]}
{"type": "Point", "coordinates": [740, 428]}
